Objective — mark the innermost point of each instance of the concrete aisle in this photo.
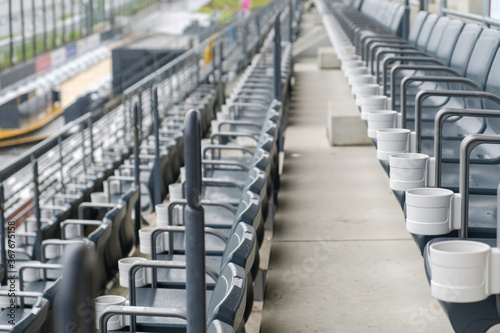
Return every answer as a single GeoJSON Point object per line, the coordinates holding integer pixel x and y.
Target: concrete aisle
{"type": "Point", "coordinates": [341, 258]}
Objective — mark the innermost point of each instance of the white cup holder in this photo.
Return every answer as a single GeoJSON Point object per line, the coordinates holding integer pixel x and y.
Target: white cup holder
{"type": "Point", "coordinates": [31, 274]}
{"type": "Point", "coordinates": [372, 103]}
{"type": "Point", "coordinates": [161, 214]}
{"type": "Point", "coordinates": [72, 231]}
{"type": "Point", "coordinates": [354, 71]}
{"type": "Point", "coordinates": [162, 241]}
{"type": "Point", "coordinates": [392, 141]}
{"type": "Point", "coordinates": [115, 322]}
{"type": "Point", "coordinates": [99, 197]}
{"type": "Point", "coordinates": [410, 170]}
{"type": "Point", "coordinates": [142, 277]}
{"type": "Point", "coordinates": [380, 119]}
{"type": "Point", "coordinates": [464, 271]}
{"type": "Point", "coordinates": [360, 79]}
{"type": "Point", "coordinates": [53, 251]}
{"type": "Point", "coordinates": [364, 90]}
{"type": "Point", "coordinates": [432, 211]}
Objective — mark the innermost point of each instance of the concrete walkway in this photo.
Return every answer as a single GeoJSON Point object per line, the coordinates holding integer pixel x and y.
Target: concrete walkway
{"type": "Point", "coordinates": [341, 258]}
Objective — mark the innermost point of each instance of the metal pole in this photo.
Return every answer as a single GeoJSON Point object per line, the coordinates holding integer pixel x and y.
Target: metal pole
{"type": "Point", "coordinates": [442, 6]}
{"type": "Point", "coordinates": [11, 35]}
{"type": "Point", "coordinates": [33, 16]}
{"type": "Point", "coordinates": [61, 161]}
{"type": "Point", "coordinates": [290, 22]}
{"type": "Point", "coordinates": [194, 220]}
{"type": "Point", "coordinates": [156, 128]}
{"type": "Point", "coordinates": [3, 254]}
{"type": "Point", "coordinates": [84, 158]}
{"type": "Point", "coordinates": [214, 65]}
{"type": "Point", "coordinates": [81, 13]}
{"type": "Point", "coordinates": [244, 42]}
{"type": "Point", "coordinates": [73, 37]}
{"type": "Point", "coordinates": [63, 19]}
{"type": "Point", "coordinates": [139, 115]}
{"type": "Point", "coordinates": [44, 18]}
{"type": "Point", "coordinates": [197, 64]}
{"type": "Point", "coordinates": [406, 20]}
{"type": "Point", "coordinates": [91, 17]}
{"type": "Point", "coordinates": [54, 24]}
{"type": "Point", "coordinates": [111, 14]}
{"type": "Point", "coordinates": [486, 11]}
{"type": "Point", "coordinates": [36, 202]}
{"type": "Point", "coordinates": [90, 123]}
{"type": "Point", "coordinates": [23, 35]}
{"type": "Point", "coordinates": [278, 91]}
{"type": "Point", "coordinates": [137, 175]}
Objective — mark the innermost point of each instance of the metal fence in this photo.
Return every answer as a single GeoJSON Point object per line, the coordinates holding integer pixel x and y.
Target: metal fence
{"type": "Point", "coordinates": [485, 18]}
{"type": "Point", "coordinates": [65, 160]}
{"type": "Point", "coordinates": [32, 27]}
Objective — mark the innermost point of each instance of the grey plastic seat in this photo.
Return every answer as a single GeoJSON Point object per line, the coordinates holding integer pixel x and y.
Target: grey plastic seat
{"type": "Point", "coordinates": [226, 303]}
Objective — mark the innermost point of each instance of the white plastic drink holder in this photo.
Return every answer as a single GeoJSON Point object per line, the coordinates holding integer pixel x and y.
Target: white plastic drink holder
{"type": "Point", "coordinates": [353, 71]}
{"type": "Point", "coordinates": [464, 271]}
{"type": "Point", "coordinates": [393, 141]}
{"type": "Point", "coordinates": [145, 241]}
{"type": "Point", "coordinates": [115, 322]}
{"type": "Point", "coordinates": [142, 277]}
{"type": "Point", "coordinates": [99, 197]}
{"type": "Point", "coordinates": [360, 79]}
{"type": "Point", "coordinates": [410, 170]}
{"type": "Point", "coordinates": [161, 211]}
{"type": "Point", "coordinates": [371, 103]}
{"type": "Point", "coordinates": [379, 119]}
{"type": "Point", "coordinates": [364, 90]}
{"type": "Point", "coordinates": [432, 211]}
{"type": "Point", "coordinates": [175, 191]}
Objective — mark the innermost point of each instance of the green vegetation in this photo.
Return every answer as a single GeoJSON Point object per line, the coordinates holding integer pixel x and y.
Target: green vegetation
{"type": "Point", "coordinates": [66, 16]}
{"type": "Point", "coordinates": [230, 7]}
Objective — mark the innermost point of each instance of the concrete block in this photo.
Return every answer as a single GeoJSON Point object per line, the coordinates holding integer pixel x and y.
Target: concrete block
{"type": "Point", "coordinates": [345, 127]}
{"type": "Point", "coordinates": [327, 58]}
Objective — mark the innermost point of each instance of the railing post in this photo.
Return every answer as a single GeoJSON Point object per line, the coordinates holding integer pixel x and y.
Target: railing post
{"type": "Point", "coordinates": [442, 6]}
{"type": "Point", "coordinates": [84, 158]}
{"type": "Point", "coordinates": [61, 161]}
{"type": "Point", "coordinates": [244, 49]}
{"type": "Point", "coordinates": [36, 202]}
{"type": "Point", "coordinates": [406, 20]}
{"type": "Point", "coordinates": [3, 254]}
{"type": "Point", "coordinates": [138, 207]}
{"type": "Point", "coordinates": [277, 59]}
{"type": "Point", "coordinates": [290, 22]}
{"type": "Point", "coordinates": [156, 128]}
{"type": "Point", "coordinates": [90, 123]}
{"type": "Point", "coordinates": [194, 220]}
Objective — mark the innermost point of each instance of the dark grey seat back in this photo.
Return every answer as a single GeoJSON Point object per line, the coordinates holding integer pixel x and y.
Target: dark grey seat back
{"type": "Point", "coordinates": [426, 31]}
{"type": "Point", "coordinates": [464, 47]}
{"type": "Point", "coordinates": [448, 41]}
{"type": "Point", "coordinates": [227, 303]}
{"type": "Point", "coordinates": [417, 27]}
{"type": "Point", "coordinates": [436, 36]}
{"type": "Point", "coordinates": [493, 86]}
{"type": "Point", "coordinates": [240, 248]}
{"type": "Point", "coordinates": [482, 56]}
{"type": "Point", "coordinates": [397, 21]}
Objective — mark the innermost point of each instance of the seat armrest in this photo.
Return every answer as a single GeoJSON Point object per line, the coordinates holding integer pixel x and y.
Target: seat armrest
{"type": "Point", "coordinates": [390, 60]}
{"type": "Point", "coordinates": [86, 205]}
{"type": "Point", "coordinates": [138, 311]}
{"type": "Point", "coordinates": [171, 229]}
{"type": "Point", "coordinates": [423, 94]}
